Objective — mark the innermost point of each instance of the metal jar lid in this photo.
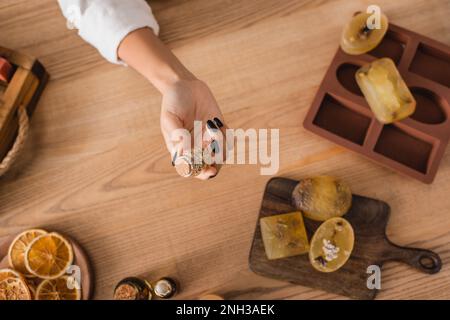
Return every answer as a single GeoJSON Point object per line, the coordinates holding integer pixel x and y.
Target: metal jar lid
{"type": "Point", "coordinates": [165, 288]}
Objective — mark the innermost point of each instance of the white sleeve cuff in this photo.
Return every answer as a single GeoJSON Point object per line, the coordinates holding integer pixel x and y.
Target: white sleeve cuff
{"type": "Point", "coordinates": [105, 23]}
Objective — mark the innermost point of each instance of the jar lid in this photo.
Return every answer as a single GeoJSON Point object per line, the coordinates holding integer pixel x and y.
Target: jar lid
{"type": "Point", "coordinates": [164, 288]}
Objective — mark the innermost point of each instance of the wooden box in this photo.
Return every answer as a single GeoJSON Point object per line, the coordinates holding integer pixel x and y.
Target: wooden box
{"type": "Point", "coordinates": [24, 88]}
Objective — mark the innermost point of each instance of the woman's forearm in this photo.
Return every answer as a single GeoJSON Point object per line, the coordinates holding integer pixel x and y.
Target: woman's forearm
{"type": "Point", "coordinates": [144, 51]}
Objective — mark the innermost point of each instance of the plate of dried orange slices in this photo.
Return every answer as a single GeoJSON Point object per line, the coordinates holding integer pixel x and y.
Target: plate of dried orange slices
{"type": "Point", "coordinates": [41, 265]}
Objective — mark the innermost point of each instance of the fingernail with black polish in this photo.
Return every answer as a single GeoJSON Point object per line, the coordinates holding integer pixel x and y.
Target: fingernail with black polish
{"type": "Point", "coordinates": [211, 125]}
{"type": "Point", "coordinates": [218, 122]}
{"type": "Point", "coordinates": [174, 158]}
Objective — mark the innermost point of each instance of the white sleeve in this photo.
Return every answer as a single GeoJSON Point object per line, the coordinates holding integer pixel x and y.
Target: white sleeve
{"type": "Point", "coordinates": [105, 23]}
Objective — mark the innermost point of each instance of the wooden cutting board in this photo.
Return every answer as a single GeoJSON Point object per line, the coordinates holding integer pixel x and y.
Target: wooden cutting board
{"type": "Point", "coordinates": [369, 218]}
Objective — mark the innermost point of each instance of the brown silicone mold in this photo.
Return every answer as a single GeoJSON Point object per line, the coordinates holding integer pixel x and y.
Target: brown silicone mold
{"type": "Point", "coordinates": [414, 146]}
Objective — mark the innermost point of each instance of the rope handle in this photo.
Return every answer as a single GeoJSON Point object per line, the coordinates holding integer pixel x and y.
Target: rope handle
{"type": "Point", "coordinates": [22, 135]}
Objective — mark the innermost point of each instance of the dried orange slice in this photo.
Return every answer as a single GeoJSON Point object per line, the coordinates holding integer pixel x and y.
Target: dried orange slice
{"type": "Point", "coordinates": [9, 273]}
{"type": "Point", "coordinates": [14, 289]}
{"type": "Point", "coordinates": [63, 288]}
{"type": "Point", "coordinates": [18, 247]}
{"type": "Point", "coordinates": [48, 256]}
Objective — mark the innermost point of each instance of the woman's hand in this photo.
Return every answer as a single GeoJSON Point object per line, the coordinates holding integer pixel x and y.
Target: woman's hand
{"type": "Point", "coordinates": [185, 98]}
{"type": "Point", "coordinates": [185, 102]}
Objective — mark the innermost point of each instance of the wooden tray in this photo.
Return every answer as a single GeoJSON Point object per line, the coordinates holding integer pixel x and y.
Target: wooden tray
{"type": "Point", "coordinates": [414, 146]}
{"type": "Point", "coordinates": [80, 259]}
{"type": "Point", "coordinates": [369, 218]}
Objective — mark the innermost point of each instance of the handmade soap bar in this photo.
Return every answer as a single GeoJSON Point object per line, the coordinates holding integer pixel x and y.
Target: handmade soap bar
{"type": "Point", "coordinates": [284, 235]}
{"type": "Point", "coordinates": [385, 91]}
{"type": "Point", "coordinates": [359, 38]}
{"type": "Point", "coordinates": [5, 70]}
{"type": "Point", "coordinates": [321, 198]}
{"type": "Point", "coordinates": [332, 245]}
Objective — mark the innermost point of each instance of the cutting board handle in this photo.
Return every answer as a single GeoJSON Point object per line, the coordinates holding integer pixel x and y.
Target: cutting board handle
{"type": "Point", "coordinates": [424, 260]}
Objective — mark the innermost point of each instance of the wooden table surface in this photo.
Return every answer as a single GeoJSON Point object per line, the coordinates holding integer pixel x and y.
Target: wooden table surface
{"type": "Point", "coordinates": [96, 166]}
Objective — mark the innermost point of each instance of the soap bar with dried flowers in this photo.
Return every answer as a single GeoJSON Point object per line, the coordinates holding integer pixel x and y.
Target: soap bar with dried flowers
{"type": "Point", "coordinates": [322, 197]}
{"type": "Point", "coordinates": [332, 245]}
{"type": "Point", "coordinates": [284, 235]}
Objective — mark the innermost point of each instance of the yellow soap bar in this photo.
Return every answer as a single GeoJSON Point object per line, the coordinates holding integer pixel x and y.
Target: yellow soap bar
{"type": "Point", "coordinates": [385, 91]}
{"type": "Point", "coordinates": [322, 197]}
{"type": "Point", "coordinates": [284, 235]}
{"type": "Point", "coordinates": [332, 245]}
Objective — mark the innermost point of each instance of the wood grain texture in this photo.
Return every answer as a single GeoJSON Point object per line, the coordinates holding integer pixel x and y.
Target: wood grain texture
{"type": "Point", "coordinates": [96, 167]}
